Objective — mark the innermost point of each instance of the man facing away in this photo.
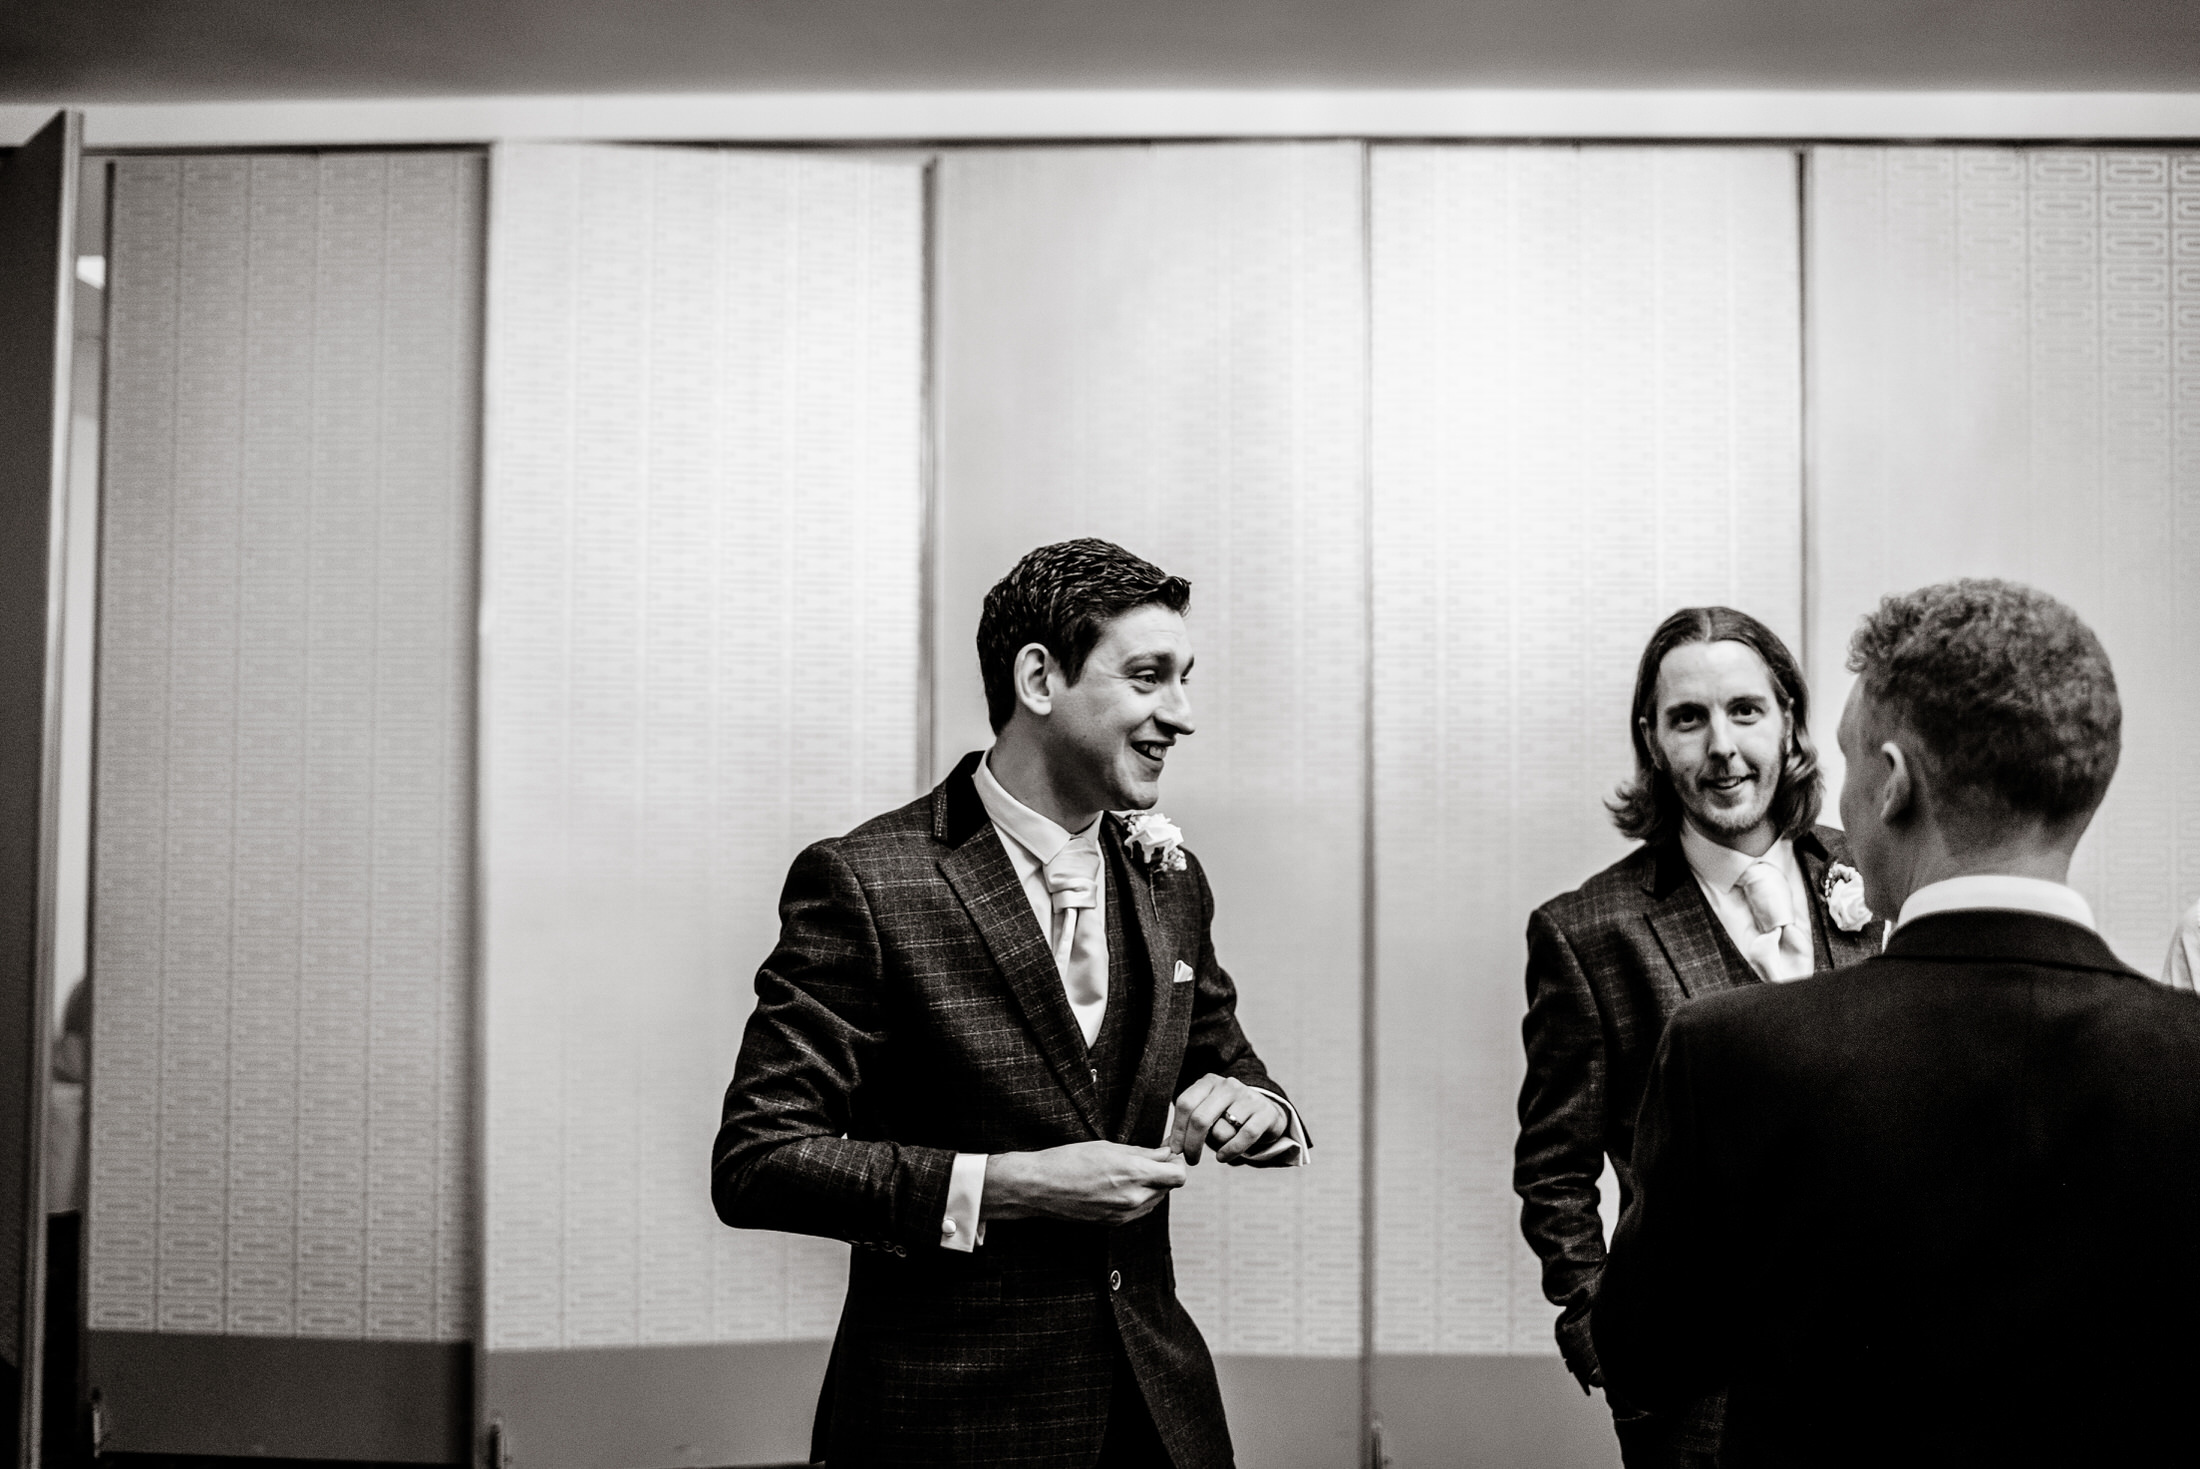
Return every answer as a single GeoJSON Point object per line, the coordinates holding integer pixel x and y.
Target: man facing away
{"type": "Point", "coordinates": [1937, 1210]}
{"type": "Point", "coordinates": [1730, 889]}
{"type": "Point", "coordinates": [964, 1054]}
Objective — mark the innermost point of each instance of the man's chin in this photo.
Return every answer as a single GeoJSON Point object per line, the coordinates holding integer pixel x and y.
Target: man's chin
{"type": "Point", "coordinates": [1137, 795]}
{"type": "Point", "coordinates": [1723, 826]}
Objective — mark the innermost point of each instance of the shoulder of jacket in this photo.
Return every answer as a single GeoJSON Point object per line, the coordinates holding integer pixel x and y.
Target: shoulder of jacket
{"type": "Point", "coordinates": [1605, 897]}
{"type": "Point", "coordinates": [903, 832]}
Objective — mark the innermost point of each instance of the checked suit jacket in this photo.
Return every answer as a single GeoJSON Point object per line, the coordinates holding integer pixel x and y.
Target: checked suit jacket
{"type": "Point", "coordinates": [1608, 964]}
{"type": "Point", "coordinates": [912, 1010]}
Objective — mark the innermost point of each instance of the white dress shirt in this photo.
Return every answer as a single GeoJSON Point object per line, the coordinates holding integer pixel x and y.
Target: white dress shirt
{"type": "Point", "coordinates": [1719, 873]}
{"type": "Point", "coordinates": [2001, 891]}
{"type": "Point", "coordinates": [2183, 964]}
{"type": "Point", "coordinates": [1032, 841]}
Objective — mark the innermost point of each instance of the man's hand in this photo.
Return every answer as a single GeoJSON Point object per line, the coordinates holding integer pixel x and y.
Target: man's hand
{"type": "Point", "coordinates": [1227, 1115]}
{"type": "Point", "coordinates": [1097, 1183]}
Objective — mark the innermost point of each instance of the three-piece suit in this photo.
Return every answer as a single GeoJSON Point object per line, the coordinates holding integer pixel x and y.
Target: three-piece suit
{"type": "Point", "coordinates": [1608, 965]}
{"type": "Point", "coordinates": [1935, 1211]}
{"type": "Point", "coordinates": [913, 1010]}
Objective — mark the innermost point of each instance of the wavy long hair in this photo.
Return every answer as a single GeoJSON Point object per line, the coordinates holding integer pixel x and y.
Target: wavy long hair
{"type": "Point", "coordinates": [1648, 808]}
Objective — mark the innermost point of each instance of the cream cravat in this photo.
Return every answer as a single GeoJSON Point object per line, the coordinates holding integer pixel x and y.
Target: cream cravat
{"type": "Point", "coordinates": [1782, 947]}
{"type": "Point", "coordinates": [1080, 938]}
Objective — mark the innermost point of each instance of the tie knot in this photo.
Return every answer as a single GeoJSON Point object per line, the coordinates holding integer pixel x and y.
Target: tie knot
{"type": "Point", "coordinates": [1073, 878]}
{"type": "Point", "coordinates": [1766, 892]}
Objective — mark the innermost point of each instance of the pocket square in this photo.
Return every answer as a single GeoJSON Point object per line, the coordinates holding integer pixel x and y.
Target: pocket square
{"type": "Point", "coordinates": [1183, 974]}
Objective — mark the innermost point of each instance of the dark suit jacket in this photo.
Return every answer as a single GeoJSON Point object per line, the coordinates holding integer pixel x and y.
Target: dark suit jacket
{"type": "Point", "coordinates": [912, 1010]}
{"type": "Point", "coordinates": [1608, 964]}
{"type": "Point", "coordinates": [1939, 1210]}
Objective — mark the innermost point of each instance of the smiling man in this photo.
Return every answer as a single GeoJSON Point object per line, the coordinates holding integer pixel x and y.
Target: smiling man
{"type": "Point", "coordinates": [991, 1040]}
{"type": "Point", "coordinates": [1733, 886]}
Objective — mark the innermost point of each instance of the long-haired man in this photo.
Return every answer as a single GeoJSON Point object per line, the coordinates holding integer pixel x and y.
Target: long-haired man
{"type": "Point", "coordinates": [1734, 886]}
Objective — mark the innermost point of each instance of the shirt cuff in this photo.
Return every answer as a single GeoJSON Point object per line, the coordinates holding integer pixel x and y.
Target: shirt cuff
{"type": "Point", "coordinates": [960, 1227]}
{"type": "Point", "coordinates": [1292, 1145]}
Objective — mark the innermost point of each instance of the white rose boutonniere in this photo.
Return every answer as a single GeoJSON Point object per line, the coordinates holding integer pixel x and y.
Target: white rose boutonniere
{"type": "Point", "coordinates": [1845, 898]}
{"type": "Point", "coordinates": [1155, 839]}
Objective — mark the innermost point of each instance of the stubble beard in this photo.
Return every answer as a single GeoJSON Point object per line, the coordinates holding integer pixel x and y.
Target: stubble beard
{"type": "Point", "coordinates": [1728, 821]}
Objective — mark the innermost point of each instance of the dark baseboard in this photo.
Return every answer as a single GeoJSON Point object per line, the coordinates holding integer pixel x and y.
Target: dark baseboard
{"type": "Point", "coordinates": [1292, 1412]}
{"type": "Point", "coordinates": [261, 1398]}
{"type": "Point", "coordinates": [210, 1402]}
{"type": "Point", "coordinates": [1489, 1413]}
{"type": "Point", "coordinates": [709, 1406]}
{"type": "Point", "coordinates": [750, 1404]}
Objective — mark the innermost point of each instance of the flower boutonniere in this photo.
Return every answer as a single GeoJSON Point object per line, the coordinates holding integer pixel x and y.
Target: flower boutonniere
{"type": "Point", "coordinates": [1845, 898]}
{"type": "Point", "coordinates": [1155, 839]}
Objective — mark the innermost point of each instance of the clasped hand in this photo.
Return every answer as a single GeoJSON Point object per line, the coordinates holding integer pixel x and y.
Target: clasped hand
{"type": "Point", "coordinates": [1224, 1113]}
{"type": "Point", "coordinates": [1114, 1183]}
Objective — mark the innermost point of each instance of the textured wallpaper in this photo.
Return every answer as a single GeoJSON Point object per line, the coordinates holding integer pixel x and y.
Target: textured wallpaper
{"type": "Point", "coordinates": [280, 939]}
{"type": "Point", "coordinates": [701, 601]}
{"type": "Point", "coordinates": [2005, 380]}
{"type": "Point", "coordinates": [1586, 406]}
{"type": "Point", "coordinates": [1165, 346]}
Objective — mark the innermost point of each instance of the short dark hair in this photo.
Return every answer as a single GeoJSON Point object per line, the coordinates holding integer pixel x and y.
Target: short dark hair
{"type": "Point", "coordinates": [2007, 690]}
{"type": "Point", "coordinates": [1063, 597]}
{"type": "Point", "coordinates": [1647, 807]}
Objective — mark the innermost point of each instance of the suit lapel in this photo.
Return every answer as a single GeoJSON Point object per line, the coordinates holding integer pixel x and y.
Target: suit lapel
{"type": "Point", "coordinates": [983, 878]}
{"type": "Point", "coordinates": [1844, 948]}
{"type": "Point", "coordinates": [1687, 929]}
{"type": "Point", "coordinates": [1161, 1056]}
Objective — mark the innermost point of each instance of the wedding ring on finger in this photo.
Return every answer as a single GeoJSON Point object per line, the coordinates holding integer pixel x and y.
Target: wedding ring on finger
{"type": "Point", "coordinates": [1237, 1123]}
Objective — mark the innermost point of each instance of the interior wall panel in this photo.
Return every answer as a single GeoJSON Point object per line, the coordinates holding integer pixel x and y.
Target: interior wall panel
{"type": "Point", "coordinates": [701, 651]}
{"type": "Point", "coordinates": [2005, 381]}
{"type": "Point", "coordinates": [281, 935]}
{"type": "Point", "coordinates": [1585, 415]}
{"type": "Point", "coordinates": [1164, 346]}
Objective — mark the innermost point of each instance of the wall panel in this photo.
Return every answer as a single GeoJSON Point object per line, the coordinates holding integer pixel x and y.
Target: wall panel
{"type": "Point", "coordinates": [280, 941]}
{"type": "Point", "coordinates": [701, 584]}
{"type": "Point", "coordinates": [1586, 414]}
{"type": "Point", "coordinates": [2005, 380]}
{"type": "Point", "coordinates": [1164, 346]}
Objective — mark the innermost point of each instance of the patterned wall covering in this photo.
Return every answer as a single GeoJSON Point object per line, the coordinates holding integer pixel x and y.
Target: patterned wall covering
{"type": "Point", "coordinates": [285, 689]}
{"type": "Point", "coordinates": [1163, 346]}
{"type": "Point", "coordinates": [2005, 380]}
{"type": "Point", "coordinates": [701, 586]}
{"type": "Point", "coordinates": [1585, 415]}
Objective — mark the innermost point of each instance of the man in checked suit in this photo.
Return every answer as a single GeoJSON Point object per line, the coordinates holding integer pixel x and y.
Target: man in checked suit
{"type": "Point", "coordinates": [1733, 887]}
{"type": "Point", "coordinates": [991, 1038]}
{"type": "Point", "coordinates": [1937, 1210]}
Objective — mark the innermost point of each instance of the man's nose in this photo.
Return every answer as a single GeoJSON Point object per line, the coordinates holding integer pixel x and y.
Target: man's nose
{"type": "Point", "coordinates": [1176, 711]}
{"type": "Point", "coordinates": [1721, 736]}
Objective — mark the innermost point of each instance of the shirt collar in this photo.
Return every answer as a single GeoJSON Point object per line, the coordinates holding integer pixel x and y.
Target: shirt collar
{"type": "Point", "coordinates": [2002, 891]}
{"type": "Point", "coordinates": [1719, 868]}
{"type": "Point", "coordinates": [1040, 836]}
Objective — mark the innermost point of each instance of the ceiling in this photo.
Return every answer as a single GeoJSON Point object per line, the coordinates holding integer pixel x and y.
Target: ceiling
{"type": "Point", "coordinates": [89, 51]}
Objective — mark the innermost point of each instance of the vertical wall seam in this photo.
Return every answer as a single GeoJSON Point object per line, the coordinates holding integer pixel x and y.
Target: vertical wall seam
{"type": "Point", "coordinates": [1806, 633]}
{"type": "Point", "coordinates": [1370, 1418]}
{"type": "Point", "coordinates": [929, 428]}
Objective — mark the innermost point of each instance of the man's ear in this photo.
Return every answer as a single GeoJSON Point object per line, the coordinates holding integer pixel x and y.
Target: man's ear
{"type": "Point", "coordinates": [1898, 795]}
{"type": "Point", "coordinates": [1032, 675]}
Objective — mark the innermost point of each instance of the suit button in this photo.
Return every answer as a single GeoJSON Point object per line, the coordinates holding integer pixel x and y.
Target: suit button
{"type": "Point", "coordinates": [1115, 1280]}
